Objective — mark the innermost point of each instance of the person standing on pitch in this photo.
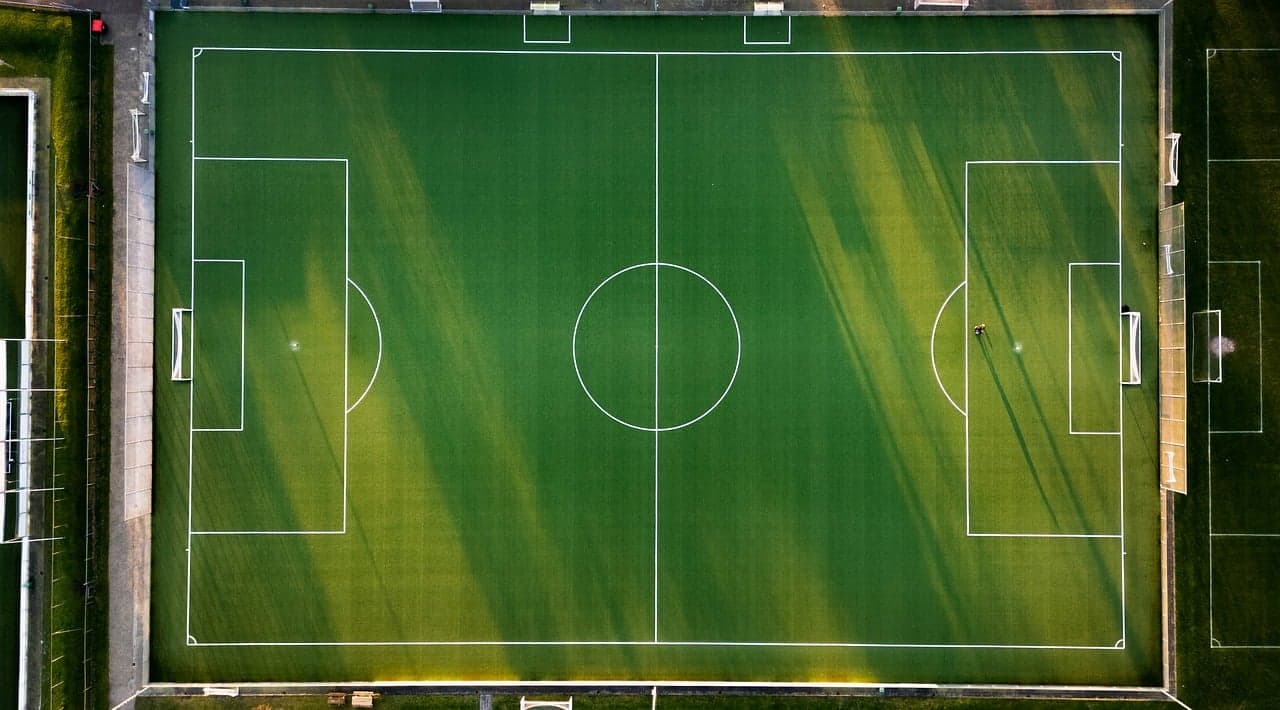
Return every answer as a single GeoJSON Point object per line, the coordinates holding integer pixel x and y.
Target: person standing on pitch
{"type": "Point", "coordinates": [980, 329]}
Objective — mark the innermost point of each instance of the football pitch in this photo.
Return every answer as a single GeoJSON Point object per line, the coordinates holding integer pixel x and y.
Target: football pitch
{"type": "Point", "coordinates": [1242, 168]}
{"type": "Point", "coordinates": [639, 349]}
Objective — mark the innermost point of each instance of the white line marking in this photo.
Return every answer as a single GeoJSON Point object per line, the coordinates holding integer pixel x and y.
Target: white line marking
{"type": "Point", "coordinates": [656, 268]}
{"type": "Point", "coordinates": [689, 644]}
{"type": "Point", "coordinates": [1244, 160]}
{"type": "Point", "coordinates": [378, 364]}
{"type": "Point", "coordinates": [1096, 536]}
{"type": "Point", "coordinates": [648, 683]}
{"type": "Point", "coordinates": [191, 406]}
{"type": "Point", "coordinates": [1120, 435]}
{"type": "Point", "coordinates": [191, 639]}
{"type": "Point", "coordinates": [259, 159]}
{"type": "Point", "coordinates": [243, 280]}
{"type": "Point", "coordinates": [968, 526]}
{"type": "Point", "coordinates": [1245, 534]}
{"type": "Point", "coordinates": [933, 336]}
{"type": "Point", "coordinates": [346, 334]}
{"type": "Point", "coordinates": [1071, 417]}
{"type": "Point", "coordinates": [765, 42]}
{"type": "Point", "coordinates": [267, 532]}
{"type": "Point", "coordinates": [637, 53]}
{"type": "Point", "coordinates": [736, 364]}
{"type": "Point", "coordinates": [191, 531]}
{"type": "Point", "coordinates": [1124, 602]}
{"type": "Point", "coordinates": [1209, 53]}
{"type": "Point", "coordinates": [1257, 264]}
{"type": "Point", "coordinates": [524, 26]}
{"type": "Point", "coordinates": [1261, 411]}
{"type": "Point", "coordinates": [1043, 162]}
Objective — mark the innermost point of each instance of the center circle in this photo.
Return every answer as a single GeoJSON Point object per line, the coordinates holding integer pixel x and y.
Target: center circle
{"type": "Point", "coordinates": [656, 346]}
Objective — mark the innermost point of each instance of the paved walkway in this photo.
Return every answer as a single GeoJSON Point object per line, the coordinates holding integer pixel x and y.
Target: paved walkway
{"type": "Point", "coordinates": [129, 555]}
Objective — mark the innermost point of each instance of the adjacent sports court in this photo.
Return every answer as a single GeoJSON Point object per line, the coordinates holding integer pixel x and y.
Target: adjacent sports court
{"type": "Point", "coordinates": [1243, 171]}
{"type": "Point", "coordinates": [13, 237]}
{"type": "Point", "coordinates": [628, 349]}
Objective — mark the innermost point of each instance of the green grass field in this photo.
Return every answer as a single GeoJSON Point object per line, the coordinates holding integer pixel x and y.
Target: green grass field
{"type": "Point", "coordinates": [640, 352]}
{"type": "Point", "coordinates": [13, 238]}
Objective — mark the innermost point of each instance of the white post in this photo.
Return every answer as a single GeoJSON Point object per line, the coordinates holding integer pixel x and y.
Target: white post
{"type": "Point", "coordinates": [4, 443]}
{"type": "Point", "coordinates": [556, 704]}
{"type": "Point", "coordinates": [24, 408]}
{"type": "Point", "coordinates": [1173, 139]}
{"type": "Point", "coordinates": [137, 136]}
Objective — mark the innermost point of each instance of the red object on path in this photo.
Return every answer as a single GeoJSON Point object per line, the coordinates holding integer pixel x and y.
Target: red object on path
{"type": "Point", "coordinates": [97, 26]}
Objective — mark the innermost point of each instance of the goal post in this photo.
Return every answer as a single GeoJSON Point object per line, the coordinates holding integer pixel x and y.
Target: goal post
{"type": "Point", "coordinates": [1172, 142]}
{"type": "Point", "coordinates": [526, 704]}
{"type": "Point", "coordinates": [1206, 346]}
{"type": "Point", "coordinates": [180, 365]}
{"type": "Point", "coordinates": [954, 4]}
{"type": "Point", "coordinates": [1132, 343]}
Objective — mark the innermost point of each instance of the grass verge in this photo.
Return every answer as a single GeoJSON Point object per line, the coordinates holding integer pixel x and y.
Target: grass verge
{"type": "Point", "coordinates": [58, 46]}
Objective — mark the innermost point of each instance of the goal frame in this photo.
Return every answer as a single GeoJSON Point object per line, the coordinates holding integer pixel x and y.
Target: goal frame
{"type": "Point", "coordinates": [955, 4]}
